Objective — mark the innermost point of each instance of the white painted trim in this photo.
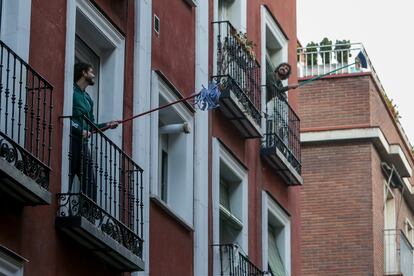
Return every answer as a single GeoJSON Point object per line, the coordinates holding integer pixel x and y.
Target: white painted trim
{"type": "Point", "coordinates": [15, 26]}
{"type": "Point", "coordinates": [267, 21]}
{"type": "Point", "coordinates": [408, 185]}
{"type": "Point", "coordinates": [141, 135]}
{"type": "Point", "coordinates": [393, 154]}
{"type": "Point", "coordinates": [220, 154]}
{"type": "Point", "coordinates": [172, 212]}
{"type": "Point", "coordinates": [201, 152]}
{"type": "Point", "coordinates": [269, 205]}
{"type": "Point", "coordinates": [182, 207]}
{"type": "Point", "coordinates": [98, 19]}
{"type": "Point", "coordinates": [10, 267]}
{"type": "Point", "coordinates": [112, 56]}
{"type": "Point", "coordinates": [243, 16]}
{"type": "Point", "coordinates": [68, 88]}
{"type": "Point", "coordinates": [116, 71]}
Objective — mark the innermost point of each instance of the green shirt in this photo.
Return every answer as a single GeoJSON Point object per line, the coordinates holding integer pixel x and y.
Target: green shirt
{"type": "Point", "coordinates": [82, 105]}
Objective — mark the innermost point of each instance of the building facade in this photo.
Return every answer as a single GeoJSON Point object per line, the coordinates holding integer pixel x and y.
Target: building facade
{"type": "Point", "coordinates": [357, 207]}
{"type": "Point", "coordinates": [179, 191]}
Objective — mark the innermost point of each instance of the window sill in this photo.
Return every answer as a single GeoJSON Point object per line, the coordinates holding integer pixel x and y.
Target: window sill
{"type": "Point", "coordinates": [166, 208]}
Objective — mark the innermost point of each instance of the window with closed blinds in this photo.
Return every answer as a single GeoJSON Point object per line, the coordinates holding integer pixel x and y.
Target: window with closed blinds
{"type": "Point", "coordinates": [276, 265]}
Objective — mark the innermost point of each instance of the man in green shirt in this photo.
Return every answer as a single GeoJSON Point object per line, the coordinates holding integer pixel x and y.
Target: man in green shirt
{"type": "Point", "coordinates": [81, 159]}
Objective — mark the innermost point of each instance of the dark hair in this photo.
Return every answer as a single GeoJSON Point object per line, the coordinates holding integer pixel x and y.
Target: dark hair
{"type": "Point", "coordinates": [80, 67]}
{"type": "Point", "coordinates": [284, 64]}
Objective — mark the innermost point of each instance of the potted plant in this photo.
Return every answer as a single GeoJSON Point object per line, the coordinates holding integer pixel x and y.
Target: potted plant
{"type": "Point", "coordinates": [311, 53]}
{"type": "Point", "coordinates": [342, 52]}
{"type": "Point", "coordinates": [326, 50]}
{"type": "Point", "coordinates": [392, 107]}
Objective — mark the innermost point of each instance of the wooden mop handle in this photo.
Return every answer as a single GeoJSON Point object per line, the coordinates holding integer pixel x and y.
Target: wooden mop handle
{"type": "Point", "coordinates": [158, 108]}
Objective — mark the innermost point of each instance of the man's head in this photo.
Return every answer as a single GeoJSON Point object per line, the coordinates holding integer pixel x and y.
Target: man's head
{"type": "Point", "coordinates": [283, 71]}
{"type": "Point", "coordinates": [84, 70]}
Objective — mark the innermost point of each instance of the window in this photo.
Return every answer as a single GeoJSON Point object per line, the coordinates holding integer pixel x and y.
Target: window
{"type": "Point", "coordinates": [173, 155]}
{"type": "Point", "coordinates": [83, 53]}
{"type": "Point", "coordinates": [93, 39]}
{"type": "Point", "coordinates": [233, 11]}
{"type": "Point", "coordinates": [10, 263]}
{"type": "Point", "coordinates": [230, 208]}
{"type": "Point", "coordinates": [276, 237]}
{"type": "Point", "coordinates": [390, 233]}
{"type": "Point", "coordinates": [274, 52]}
{"type": "Point", "coordinates": [104, 51]}
{"type": "Point", "coordinates": [15, 26]}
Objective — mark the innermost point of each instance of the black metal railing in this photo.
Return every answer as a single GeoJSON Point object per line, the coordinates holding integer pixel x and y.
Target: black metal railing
{"type": "Point", "coordinates": [237, 68]}
{"type": "Point", "coordinates": [234, 263]}
{"type": "Point", "coordinates": [282, 128]}
{"type": "Point", "coordinates": [398, 253]}
{"type": "Point", "coordinates": [25, 117]}
{"type": "Point", "coordinates": [105, 186]}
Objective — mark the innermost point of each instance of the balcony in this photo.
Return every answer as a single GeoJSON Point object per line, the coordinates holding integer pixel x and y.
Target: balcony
{"type": "Point", "coordinates": [233, 262]}
{"type": "Point", "coordinates": [103, 208]}
{"type": "Point", "coordinates": [281, 142]}
{"type": "Point", "coordinates": [398, 253]}
{"type": "Point", "coordinates": [342, 59]}
{"type": "Point", "coordinates": [238, 74]}
{"type": "Point", "coordinates": [25, 132]}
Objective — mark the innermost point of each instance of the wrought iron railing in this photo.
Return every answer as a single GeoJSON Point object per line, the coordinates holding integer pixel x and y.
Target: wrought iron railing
{"type": "Point", "coordinates": [398, 253]}
{"type": "Point", "coordinates": [105, 186]}
{"type": "Point", "coordinates": [237, 68]}
{"type": "Point", "coordinates": [282, 128]}
{"type": "Point", "coordinates": [25, 117]}
{"type": "Point", "coordinates": [234, 263]}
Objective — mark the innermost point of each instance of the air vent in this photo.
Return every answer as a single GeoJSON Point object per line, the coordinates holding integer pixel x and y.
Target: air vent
{"type": "Point", "coordinates": [156, 24]}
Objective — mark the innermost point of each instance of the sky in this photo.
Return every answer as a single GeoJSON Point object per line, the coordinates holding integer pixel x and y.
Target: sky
{"type": "Point", "coordinates": [385, 28]}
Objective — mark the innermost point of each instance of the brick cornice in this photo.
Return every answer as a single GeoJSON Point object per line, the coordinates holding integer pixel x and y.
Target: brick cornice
{"type": "Point", "coordinates": [390, 153]}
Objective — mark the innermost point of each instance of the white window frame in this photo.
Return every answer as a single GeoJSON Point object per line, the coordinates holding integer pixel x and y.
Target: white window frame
{"type": "Point", "coordinates": [284, 237]}
{"type": "Point", "coordinates": [182, 209]}
{"type": "Point", "coordinates": [409, 230]}
{"type": "Point", "coordinates": [267, 22]}
{"type": "Point", "coordinates": [113, 70]}
{"type": "Point", "coordinates": [241, 26]}
{"type": "Point", "coordinates": [10, 263]}
{"type": "Point", "coordinates": [239, 14]}
{"type": "Point", "coordinates": [220, 154]}
{"type": "Point", "coordinates": [15, 26]}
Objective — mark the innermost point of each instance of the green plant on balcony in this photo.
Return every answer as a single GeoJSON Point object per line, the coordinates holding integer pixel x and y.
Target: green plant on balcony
{"type": "Point", "coordinates": [311, 53]}
{"type": "Point", "coordinates": [342, 52]}
{"type": "Point", "coordinates": [392, 107]}
{"type": "Point", "coordinates": [326, 50]}
{"type": "Point", "coordinates": [246, 44]}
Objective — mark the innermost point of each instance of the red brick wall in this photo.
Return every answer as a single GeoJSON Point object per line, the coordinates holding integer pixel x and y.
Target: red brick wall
{"type": "Point", "coordinates": [334, 102]}
{"type": "Point", "coordinates": [380, 117]}
{"type": "Point", "coordinates": [336, 210]}
{"type": "Point", "coordinates": [378, 200]}
{"type": "Point", "coordinates": [343, 192]}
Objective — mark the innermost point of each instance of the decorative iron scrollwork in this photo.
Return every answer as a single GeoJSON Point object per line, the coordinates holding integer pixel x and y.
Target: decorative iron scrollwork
{"type": "Point", "coordinates": [80, 205]}
{"type": "Point", "coordinates": [24, 161]}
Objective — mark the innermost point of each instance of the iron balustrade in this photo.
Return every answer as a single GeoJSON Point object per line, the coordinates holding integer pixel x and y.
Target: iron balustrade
{"type": "Point", "coordinates": [282, 128]}
{"type": "Point", "coordinates": [237, 68]}
{"type": "Point", "coordinates": [25, 117]}
{"type": "Point", "coordinates": [105, 187]}
{"type": "Point", "coordinates": [398, 253]}
{"type": "Point", "coordinates": [234, 263]}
